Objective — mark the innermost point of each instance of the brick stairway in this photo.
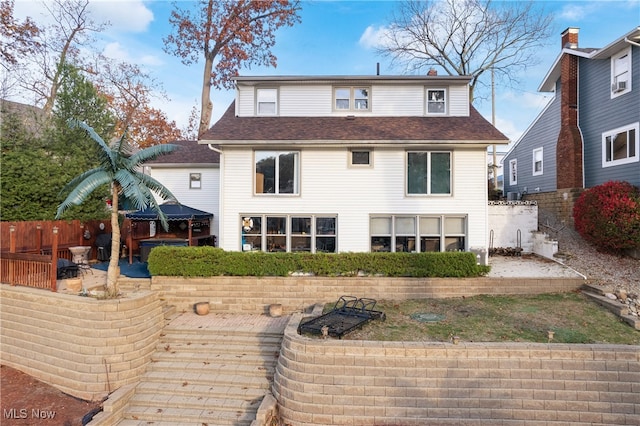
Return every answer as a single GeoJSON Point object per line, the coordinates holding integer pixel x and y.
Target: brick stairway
{"type": "Point", "coordinates": [207, 370]}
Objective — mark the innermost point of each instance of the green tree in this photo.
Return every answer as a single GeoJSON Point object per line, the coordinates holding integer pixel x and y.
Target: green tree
{"type": "Point", "coordinates": [25, 172]}
{"type": "Point", "coordinates": [119, 169]}
{"type": "Point", "coordinates": [71, 149]}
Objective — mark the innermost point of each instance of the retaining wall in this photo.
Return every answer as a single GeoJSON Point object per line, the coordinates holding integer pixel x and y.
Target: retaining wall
{"type": "Point", "coordinates": [337, 382]}
{"type": "Point", "coordinates": [296, 294]}
{"type": "Point", "coordinates": [83, 346]}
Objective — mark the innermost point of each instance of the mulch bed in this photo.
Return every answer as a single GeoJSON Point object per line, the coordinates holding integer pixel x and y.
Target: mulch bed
{"type": "Point", "coordinates": [25, 400]}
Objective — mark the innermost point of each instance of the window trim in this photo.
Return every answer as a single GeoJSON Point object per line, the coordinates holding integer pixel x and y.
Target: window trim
{"type": "Point", "coordinates": [533, 167]}
{"type": "Point", "coordinates": [614, 80]}
{"type": "Point", "coordinates": [418, 233]}
{"type": "Point", "coordinates": [275, 100]}
{"type": "Point", "coordinates": [193, 180]}
{"type": "Point", "coordinates": [276, 192]}
{"type": "Point", "coordinates": [429, 174]}
{"type": "Point", "coordinates": [247, 220]}
{"type": "Point", "coordinates": [636, 158]}
{"type": "Point", "coordinates": [352, 99]}
{"type": "Point", "coordinates": [360, 165]}
{"type": "Point", "coordinates": [444, 101]}
{"type": "Point", "coordinates": [513, 171]}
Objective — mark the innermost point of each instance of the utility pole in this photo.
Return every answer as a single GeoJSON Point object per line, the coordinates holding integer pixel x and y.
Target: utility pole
{"type": "Point", "coordinates": [493, 121]}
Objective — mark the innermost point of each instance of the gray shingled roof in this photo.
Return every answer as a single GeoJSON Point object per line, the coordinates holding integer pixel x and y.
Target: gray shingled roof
{"type": "Point", "coordinates": [190, 152]}
{"type": "Point", "coordinates": [370, 129]}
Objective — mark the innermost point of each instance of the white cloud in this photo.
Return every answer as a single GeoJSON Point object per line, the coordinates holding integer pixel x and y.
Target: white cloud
{"type": "Point", "coordinates": [372, 37]}
{"type": "Point", "coordinates": [115, 50]}
{"type": "Point", "coordinates": [124, 15]}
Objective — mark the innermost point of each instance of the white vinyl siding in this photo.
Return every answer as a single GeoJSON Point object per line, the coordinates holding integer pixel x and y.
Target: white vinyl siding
{"type": "Point", "coordinates": [176, 179]}
{"type": "Point", "coordinates": [309, 100]}
{"type": "Point", "coordinates": [329, 186]}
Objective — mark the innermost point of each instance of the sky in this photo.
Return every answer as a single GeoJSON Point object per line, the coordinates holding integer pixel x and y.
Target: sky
{"type": "Point", "coordinates": [337, 37]}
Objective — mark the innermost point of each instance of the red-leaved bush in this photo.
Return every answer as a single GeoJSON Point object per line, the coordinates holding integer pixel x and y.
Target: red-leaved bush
{"type": "Point", "coordinates": [608, 216]}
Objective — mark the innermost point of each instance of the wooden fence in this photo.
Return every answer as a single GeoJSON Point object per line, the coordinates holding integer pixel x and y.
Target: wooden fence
{"type": "Point", "coordinates": [30, 250]}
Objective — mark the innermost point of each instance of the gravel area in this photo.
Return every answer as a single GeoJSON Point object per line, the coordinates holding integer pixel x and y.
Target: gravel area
{"type": "Point", "coordinates": [600, 268]}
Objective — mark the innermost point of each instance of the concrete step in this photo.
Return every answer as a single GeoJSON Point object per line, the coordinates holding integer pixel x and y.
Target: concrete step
{"type": "Point", "coordinates": [208, 390]}
{"type": "Point", "coordinates": [205, 358]}
{"type": "Point", "coordinates": [153, 400]}
{"type": "Point", "coordinates": [211, 379]}
{"type": "Point", "coordinates": [179, 416]}
{"type": "Point", "coordinates": [201, 348]}
{"type": "Point", "coordinates": [212, 368]}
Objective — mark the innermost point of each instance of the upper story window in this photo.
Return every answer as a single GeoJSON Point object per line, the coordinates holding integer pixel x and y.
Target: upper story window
{"type": "Point", "coordinates": [267, 101]}
{"type": "Point", "coordinates": [621, 73]}
{"type": "Point", "coordinates": [513, 172]}
{"type": "Point", "coordinates": [360, 157]}
{"type": "Point", "coordinates": [195, 180]}
{"type": "Point", "coordinates": [428, 173]}
{"type": "Point", "coordinates": [277, 172]}
{"type": "Point", "coordinates": [436, 101]}
{"type": "Point", "coordinates": [537, 161]}
{"type": "Point", "coordinates": [620, 146]}
{"type": "Point", "coordinates": [351, 98]}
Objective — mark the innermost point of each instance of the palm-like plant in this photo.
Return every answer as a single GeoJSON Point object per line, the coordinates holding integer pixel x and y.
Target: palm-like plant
{"type": "Point", "coordinates": [120, 168]}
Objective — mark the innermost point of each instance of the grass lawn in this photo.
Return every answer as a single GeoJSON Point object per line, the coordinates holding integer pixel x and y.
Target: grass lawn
{"type": "Point", "coordinates": [571, 316]}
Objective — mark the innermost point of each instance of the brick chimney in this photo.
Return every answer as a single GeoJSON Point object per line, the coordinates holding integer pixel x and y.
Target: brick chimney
{"type": "Point", "coordinates": [569, 146]}
{"type": "Point", "coordinates": [432, 72]}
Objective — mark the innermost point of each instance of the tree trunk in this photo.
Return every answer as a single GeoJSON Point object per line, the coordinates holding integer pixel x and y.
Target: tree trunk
{"type": "Point", "coordinates": [112, 271]}
{"type": "Point", "coordinates": [206, 106]}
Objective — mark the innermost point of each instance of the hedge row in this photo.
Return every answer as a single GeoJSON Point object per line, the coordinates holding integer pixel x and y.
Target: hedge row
{"type": "Point", "coordinates": [211, 261]}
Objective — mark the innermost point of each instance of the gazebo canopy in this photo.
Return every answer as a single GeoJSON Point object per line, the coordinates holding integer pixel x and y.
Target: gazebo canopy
{"type": "Point", "coordinates": [172, 211]}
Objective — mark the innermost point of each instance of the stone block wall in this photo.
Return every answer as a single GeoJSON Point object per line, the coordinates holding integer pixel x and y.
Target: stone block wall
{"type": "Point", "coordinates": [338, 382]}
{"type": "Point", "coordinates": [559, 203]}
{"type": "Point", "coordinates": [296, 294]}
{"type": "Point", "coordinates": [83, 346]}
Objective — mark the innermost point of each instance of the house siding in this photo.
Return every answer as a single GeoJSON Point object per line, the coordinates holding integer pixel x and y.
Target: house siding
{"type": "Point", "coordinates": [543, 133]}
{"type": "Point", "coordinates": [205, 199]}
{"type": "Point", "coordinates": [329, 186]}
{"type": "Point", "coordinates": [309, 100]}
{"type": "Point", "coordinates": [599, 114]}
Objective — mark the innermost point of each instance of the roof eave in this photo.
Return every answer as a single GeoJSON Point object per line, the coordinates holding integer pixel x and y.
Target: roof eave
{"type": "Point", "coordinates": [352, 142]}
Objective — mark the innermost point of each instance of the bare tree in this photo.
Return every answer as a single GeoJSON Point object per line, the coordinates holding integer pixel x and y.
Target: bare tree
{"type": "Point", "coordinates": [58, 43]}
{"type": "Point", "coordinates": [16, 38]}
{"type": "Point", "coordinates": [227, 34]}
{"type": "Point", "coordinates": [466, 37]}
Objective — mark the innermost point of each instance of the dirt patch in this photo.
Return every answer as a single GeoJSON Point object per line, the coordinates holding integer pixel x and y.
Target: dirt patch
{"type": "Point", "coordinates": [28, 401]}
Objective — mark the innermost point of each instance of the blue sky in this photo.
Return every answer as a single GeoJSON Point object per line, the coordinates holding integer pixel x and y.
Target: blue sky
{"type": "Point", "coordinates": [336, 37]}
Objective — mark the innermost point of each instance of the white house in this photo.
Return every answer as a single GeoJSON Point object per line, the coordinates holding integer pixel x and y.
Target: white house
{"type": "Point", "coordinates": [192, 174]}
{"type": "Point", "coordinates": [353, 163]}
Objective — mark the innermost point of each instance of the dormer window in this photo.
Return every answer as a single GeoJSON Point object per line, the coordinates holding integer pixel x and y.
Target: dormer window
{"type": "Point", "coordinates": [267, 101]}
{"type": "Point", "coordinates": [436, 101]}
{"type": "Point", "coordinates": [351, 98]}
{"type": "Point", "coordinates": [621, 73]}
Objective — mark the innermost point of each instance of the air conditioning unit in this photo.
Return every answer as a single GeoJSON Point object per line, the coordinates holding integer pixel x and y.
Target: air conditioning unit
{"type": "Point", "coordinates": [619, 86]}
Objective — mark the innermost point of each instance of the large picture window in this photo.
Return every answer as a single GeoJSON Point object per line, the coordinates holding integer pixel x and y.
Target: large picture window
{"type": "Point", "coordinates": [292, 233]}
{"type": "Point", "coordinates": [429, 173]}
{"type": "Point", "coordinates": [620, 146]}
{"type": "Point", "coordinates": [277, 172]}
{"type": "Point", "coordinates": [390, 233]}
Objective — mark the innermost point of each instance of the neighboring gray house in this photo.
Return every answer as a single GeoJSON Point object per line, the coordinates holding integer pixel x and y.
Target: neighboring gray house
{"type": "Point", "coordinates": [588, 133]}
{"type": "Point", "coordinates": [192, 174]}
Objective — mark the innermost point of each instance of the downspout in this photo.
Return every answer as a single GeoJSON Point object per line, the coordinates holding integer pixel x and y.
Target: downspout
{"type": "Point", "coordinates": [211, 147]}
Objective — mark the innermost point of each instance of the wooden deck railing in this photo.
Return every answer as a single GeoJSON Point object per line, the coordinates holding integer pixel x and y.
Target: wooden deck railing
{"type": "Point", "coordinates": [31, 270]}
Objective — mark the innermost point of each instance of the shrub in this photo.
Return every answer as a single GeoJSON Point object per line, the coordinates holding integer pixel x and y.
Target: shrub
{"type": "Point", "coordinates": [210, 261]}
{"type": "Point", "coordinates": [608, 216]}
